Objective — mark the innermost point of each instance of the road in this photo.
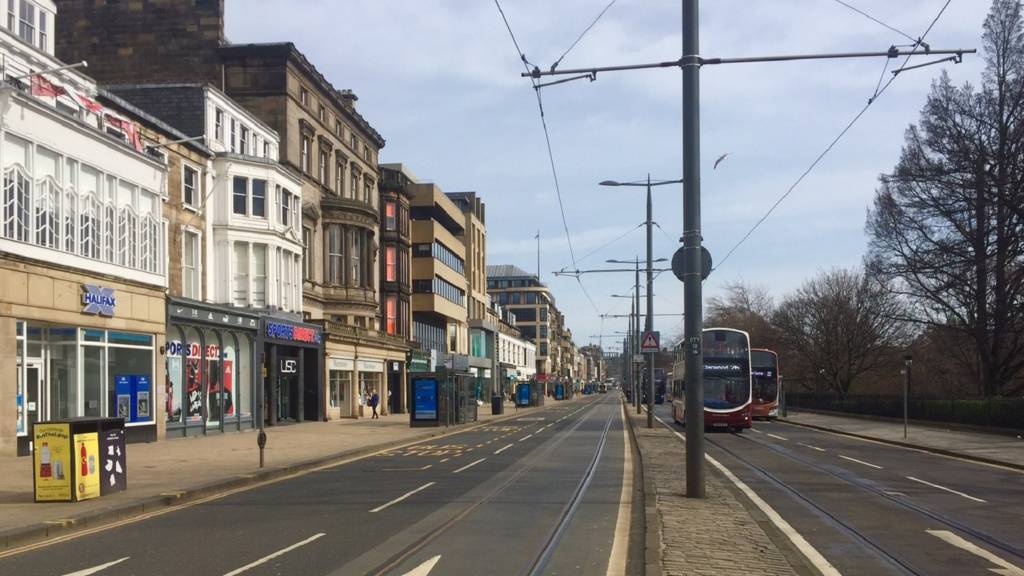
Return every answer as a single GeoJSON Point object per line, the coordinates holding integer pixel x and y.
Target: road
{"type": "Point", "coordinates": [872, 508]}
{"type": "Point", "coordinates": [540, 494]}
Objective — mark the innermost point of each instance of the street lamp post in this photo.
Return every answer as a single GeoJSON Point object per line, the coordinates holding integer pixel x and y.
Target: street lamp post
{"type": "Point", "coordinates": [649, 321]}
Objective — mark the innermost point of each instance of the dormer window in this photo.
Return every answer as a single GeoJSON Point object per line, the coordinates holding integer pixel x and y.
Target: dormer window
{"type": "Point", "coordinates": [27, 27]}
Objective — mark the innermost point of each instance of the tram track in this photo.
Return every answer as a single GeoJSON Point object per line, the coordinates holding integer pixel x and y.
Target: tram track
{"type": "Point", "coordinates": [543, 556]}
{"type": "Point", "coordinates": [892, 558]}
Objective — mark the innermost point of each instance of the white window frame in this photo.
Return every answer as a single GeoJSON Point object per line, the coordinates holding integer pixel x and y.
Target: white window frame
{"type": "Point", "coordinates": [218, 125]}
{"type": "Point", "coordinates": [197, 268]}
{"type": "Point", "coordinates": [196, 193]}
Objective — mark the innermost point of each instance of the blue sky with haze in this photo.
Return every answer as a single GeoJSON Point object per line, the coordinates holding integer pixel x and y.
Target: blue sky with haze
{"type": "Point", "coordinates": [439, 79]}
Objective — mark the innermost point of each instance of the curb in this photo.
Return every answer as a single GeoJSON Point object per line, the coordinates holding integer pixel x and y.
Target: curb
{"type": "Point", "coordinates": [930, 449]}
{"type": "Point", "coordinates": [38, 532]}
{"type": "Point", "coordinates": [652, 561]}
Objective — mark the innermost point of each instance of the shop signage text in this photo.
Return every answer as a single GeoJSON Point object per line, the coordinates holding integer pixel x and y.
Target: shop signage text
{"type": "Point", "coordinates": [175, 348]}
{"type": "Point", "coordinates": [292, 333]}
{"type": "Point", "coordinates": [98, 300]}
{"type": "Point", "coordinates": [203, 315]}
{"type": "Point", "coordinates": [289, 366]}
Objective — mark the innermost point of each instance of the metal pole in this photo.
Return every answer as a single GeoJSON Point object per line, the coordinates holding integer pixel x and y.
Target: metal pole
{"type": "Point", "coordinates": [649, 322]}
{"type": "Point", "coordinates": [906, 386]}
{"type": "Point", "coordinates": [636, 342]}
{"type": "Point", "coordinates": [692, 298]}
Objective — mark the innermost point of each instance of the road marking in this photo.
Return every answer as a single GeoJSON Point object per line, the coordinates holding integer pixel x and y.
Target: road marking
{"type": "Point", "coordinates": [500, 450]}
{"type": "Point", "coordinates": [528, 436]}
{"type": "Point", "coordinates": [813, 556]}
{"type": "Point", "coordinates": [876, 466]}
{"type": "Point", "coordinates": [479, 445]}
{"type": "Point", "coordinates": [775, 436]}
{"type": "Point", "coordinates": [620, 541]}
{"type": "Point", "coordinates": [446, 459]}
{"type": "Point", "coordinates": [812, 447]}
{"type": "Point", "coordinates": [397, 469]}
{"type": "Point", "coordinates": [950, 490]}
{"type": "Point", "coordinates": [270, 557]}
{"type": "Point", "coordinates": [756, 430]}
{"type": "Point", "coordinates": [470, 465]}
{"type": "Point", "coordinates": [402, 497]}
{"type": "Point", "coordinates": [95, 569]}
{"type": "Point", "coordinates": [425, 568]}
{"type": "Point", "coordinates": [1005, 568]}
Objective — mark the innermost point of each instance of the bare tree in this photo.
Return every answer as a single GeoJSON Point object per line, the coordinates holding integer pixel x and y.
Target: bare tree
{"type": "Point", "coordinates": [842, 325]}
{"type": "Point", "coordinates": [947, 228]}
{"type": "Point", "coordinates": [745, 307]}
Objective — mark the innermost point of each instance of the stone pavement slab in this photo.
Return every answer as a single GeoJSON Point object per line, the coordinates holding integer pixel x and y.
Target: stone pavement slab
{"type": "Point", "coordinates": [174, 471]}
{"type": "Point", "coordinates": [994, 448]}
{"type": "Point", "coordinates": [715, 536]}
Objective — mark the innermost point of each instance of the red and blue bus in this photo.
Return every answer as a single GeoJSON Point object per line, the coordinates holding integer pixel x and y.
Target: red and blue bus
{"type": "Point", "coordinates": [767, 387]}
{"type": "Point", "coordinates": [727, 380]}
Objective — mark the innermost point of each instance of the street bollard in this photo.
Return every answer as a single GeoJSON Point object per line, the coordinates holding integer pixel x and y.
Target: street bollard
{"type": "Point", "coordinates": [261, 441]}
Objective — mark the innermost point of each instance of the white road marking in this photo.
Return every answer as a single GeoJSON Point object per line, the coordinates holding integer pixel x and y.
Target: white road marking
{"type": "Point", "coordinates": [528, 436]}
{"type": "Point", "coordinates": [467, 466]}
{"type": "Point", "coordinates": [756, 430]}
{"type": "Point", "coordinates": [95, 569]}
{"type": "Point", "coordinates": [620, 541]}
{"type": "Point", "coordinates": [502, 449]}
{"type": "Point", "coordinates": [402, 497]}
{"type": "Point", "coordinates": [813, 556]}
{"type": "Point", "coordinates": [425, 568]}
{"type": "Point", "coordinates": [876, 466]}
{"type": "Point", "coordinates": [396, 469]}
{"type": "Point", "coordinates": [775, 436]}
{"type": "Point", "coordinates": [1005, 568]}
{"type": "Point", "coordinates": [811, 447]}
{"type": "Point", "coordinates": [950, 490]}
{"type": "Point", "coordinates": [446, 459]}
{"type": "Point", "coordinates": [270, 557]}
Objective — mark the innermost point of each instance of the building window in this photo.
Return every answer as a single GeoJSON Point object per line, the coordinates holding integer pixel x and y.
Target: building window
{"type": "Point", "coordinates": [303, 96]}
{"type": "Point", "coordinates": [322, 113]}
{"type": "Point", "coordinates": [304, 153]}
{"type": "Point", "coordinates": [390, 264]}
{"type": "Point", "coordinates": [243, 142]}
{"type": "Point", "coordinates": [324, 172]}
{"type": "Point", "coordinates": [391, 314]}
{"type": "Point", "coordinates": [357, 249]}
{"type": "Point", "coordinates": [335, 254]}
{"type": "Point", "coordinates": [218, 125]}
{"type": "Point", "coordinates": [339, 177]}
{"type": "Point", "coordinates": [340, 381]}
{"type": "Point", "coordinates": [266, 149]}
{"type": "Point", "coordinates": [27, 30]}
{"type": "Point", "coordinates": [42, 31]}
{"type": "Point", "coordinates": [259, 198]}
{"type": "Point", "coordinates": [307, 252]}
{"type": "Point", "coordinates": [189, 180]}
{"type": "Point", "coordinates": [367, 192]}
{"type": "Point", "coordinates": [240, 196]}
{"type": "Point", "coordinates": [259, 275]}
{"type": "Point", "coordinates": [234, 134]}
{"type": "Point", "coordinates": [354, 190]}
{"type": "Point", "coordinates": [190, 265]}
{"type": "Point", "coordinates": [389, 215]}
{"type": "Point", "coordinates": [240, 289]}
{"type": "Point", "coordinates": [339, 129]}
{"type": "Point", "coordinates": [12, 16]}
{"type": "Point", "coordinates": [285, 199]}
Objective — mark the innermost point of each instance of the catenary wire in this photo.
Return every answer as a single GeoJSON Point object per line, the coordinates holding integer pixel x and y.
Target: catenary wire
{"type": "Point", "coordinates": [582, 34]}
{"type": "Point", "coordinates": [876, 20]}
{"type": "Point", "coordinates": [842, 133]}
{"type": "Point", "coordinates": [605, 245]}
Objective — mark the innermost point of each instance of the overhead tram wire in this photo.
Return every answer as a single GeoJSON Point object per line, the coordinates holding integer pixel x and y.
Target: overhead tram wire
{"type": "Point", "coordinates": [582, 34]}
{"type": "Point", "coordinates": [605, 245]}
{"type": "Point", "coordinates": [878, 93]}
{"type": "Point", "coordinates": [876, 20]}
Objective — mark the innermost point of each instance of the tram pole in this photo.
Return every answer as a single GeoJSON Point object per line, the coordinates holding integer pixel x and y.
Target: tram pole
{"type": "Point", "coordinates": [692, 298]}
{"type": "Point", "coordinates": [649, 322]}
{"type": "Point", "coordinates": [637, 368]}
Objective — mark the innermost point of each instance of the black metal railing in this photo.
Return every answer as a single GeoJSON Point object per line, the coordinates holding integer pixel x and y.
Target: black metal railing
{"type": "Point", "coordinates": [995, 412]}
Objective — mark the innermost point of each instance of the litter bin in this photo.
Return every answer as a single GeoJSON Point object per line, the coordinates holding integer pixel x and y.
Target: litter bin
{"type": "Point", "coordinates": [78, 459]}
{"type": "Point", "coordinates": [497, 404]}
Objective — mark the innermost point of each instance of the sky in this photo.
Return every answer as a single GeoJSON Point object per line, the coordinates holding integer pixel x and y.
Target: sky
{"type": "Point", "coordinates": [440, 80]}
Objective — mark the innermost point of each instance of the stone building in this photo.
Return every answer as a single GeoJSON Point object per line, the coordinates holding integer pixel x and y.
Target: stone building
{"type": "Point", "coordinates": [395, 264]}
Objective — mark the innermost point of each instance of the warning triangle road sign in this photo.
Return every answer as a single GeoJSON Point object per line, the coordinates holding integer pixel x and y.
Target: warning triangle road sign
{"type": "Point", "coordinates": [649, 342]}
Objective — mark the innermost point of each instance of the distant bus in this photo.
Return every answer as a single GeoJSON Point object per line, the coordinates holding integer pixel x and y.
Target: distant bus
{"type": "Point", "coordinates": [767, 386]}
{"type": "Point", "coordinates": [727, 380]}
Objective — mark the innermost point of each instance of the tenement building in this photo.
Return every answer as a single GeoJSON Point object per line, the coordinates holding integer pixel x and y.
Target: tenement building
{"type": "Point", "coordinates": [395, 267]}
{"type": "Point", "coordinates": [535, 313]}
{"type": "Point", "coordinates": [83, 247]}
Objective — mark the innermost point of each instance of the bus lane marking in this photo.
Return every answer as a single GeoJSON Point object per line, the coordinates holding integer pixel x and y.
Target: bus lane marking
{"type": "Point", "coordinates": [400, 498]}
{"type": "Point", "coordinates": [811, 447]}
{"type": "Point", "coordinates": [270, 557]}
{"type": "Point", "coordinates": [875, 466]}
{"type": "Point", "coordinates": [950, 490]}
{"type": "Point", "coordinates": [775, 436]}
{"type": "Point", "coordinates": [1004, 567]}
{"type": "Point", "coordinates": [468, 466]}
{"type": "Point", "coordinates": [95, 569]}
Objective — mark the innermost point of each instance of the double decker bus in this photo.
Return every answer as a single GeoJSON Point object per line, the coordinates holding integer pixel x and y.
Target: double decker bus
{"type": "Point", "coordinates": [727, 380]}
{"type": "Point", "coordinates": [764, 367]}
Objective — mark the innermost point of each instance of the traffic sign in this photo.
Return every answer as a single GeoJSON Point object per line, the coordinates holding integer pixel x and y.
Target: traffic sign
{"type": "Point", "coordinates": [650, 342]}
{"type": "Point", "coordinates": [638, 358]}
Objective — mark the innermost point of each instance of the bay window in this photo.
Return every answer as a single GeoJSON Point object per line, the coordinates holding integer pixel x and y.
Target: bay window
{"type": "Point", "coordinates": [335, 255]}
{"type": "Point", "coordinates": [259, 275]}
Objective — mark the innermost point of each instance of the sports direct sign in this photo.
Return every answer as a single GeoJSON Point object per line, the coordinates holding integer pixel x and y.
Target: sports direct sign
{"type": "Point", "coordinates": [292, 333]}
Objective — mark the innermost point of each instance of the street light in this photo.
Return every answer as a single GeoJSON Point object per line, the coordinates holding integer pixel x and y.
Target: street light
{"type": "Point", "coordinates": [649, 321]}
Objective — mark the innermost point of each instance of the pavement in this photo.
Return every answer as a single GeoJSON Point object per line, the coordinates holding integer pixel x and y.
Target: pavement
{"type": "Point", "coordinates": [870, 507]}
{"type": "Point", "coordinates": [715, 536]}
{"type": "Point", "coordinates": [540, 492]}
{"type": "Point", "coordinates": [990, 448]}
{"type": "Point", "coordinates": [175, 471]}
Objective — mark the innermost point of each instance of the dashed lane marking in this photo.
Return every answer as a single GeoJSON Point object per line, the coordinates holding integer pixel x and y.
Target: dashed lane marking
{"type": "Point", "coordinates": [811, 447]}
{"type": "Point", "coordinates": [775, 436]}
{"type": "Point", "coordinates": [875, 466]}
{"type": "Point", "coordinates": [270, 557]}
{"type": "Point", "coordinates": [446, 459]}
{"type": "Point", "coordinates": [396, 469]}
{"type": "Point", "coordinates": [950, 490]}
{"type": "Point", "coordinates": [95, 569]}
{"type": "Point", "coordinates": [468, 466]}
{"type": "Point", "coordinates": [400, 498]}
{"type": "Point", "coordinates": [502, 449]}
{"type": "Point", "coordinates": [527, 437]}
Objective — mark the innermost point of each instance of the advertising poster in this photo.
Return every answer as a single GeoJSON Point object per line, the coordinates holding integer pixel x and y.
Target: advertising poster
{"type": "Point", "coordinates": [52, 461]}
{"type": "Point", "coordinates": [141, 387]}
{"type": "Point", "coordinates": [193, 389]}
{"type": "Point", "coordinates": [425, 398]}
{"type": "Point", "coordinates": [87, 466]}
{"type": "Point", "coordinates": [173, 389]}
{"type": "Point", "coordinates": [113, 474]}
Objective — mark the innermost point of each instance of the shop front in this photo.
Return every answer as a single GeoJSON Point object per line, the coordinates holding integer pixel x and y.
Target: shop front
{"type": "Point", "coordinates": [211, 376]}
{"type": "Point", "coordinates": [77, 348]}
{"type": "Point", "coordinates": [293, 388]}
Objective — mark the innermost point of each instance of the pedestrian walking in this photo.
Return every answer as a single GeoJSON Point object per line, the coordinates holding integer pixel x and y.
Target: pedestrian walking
{"type": "Point", "coordinates": [374, 401]}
